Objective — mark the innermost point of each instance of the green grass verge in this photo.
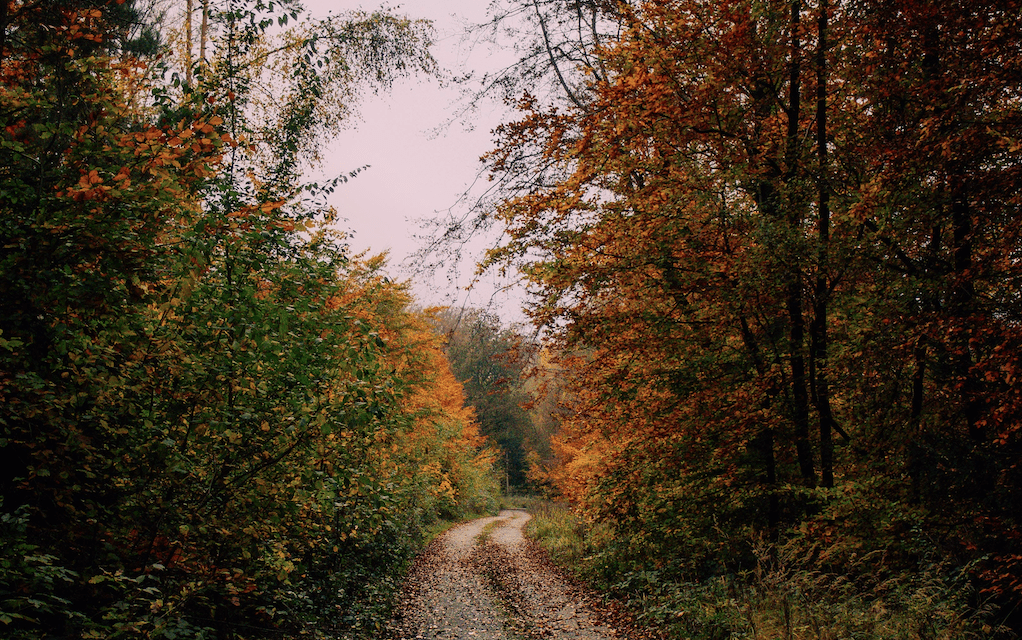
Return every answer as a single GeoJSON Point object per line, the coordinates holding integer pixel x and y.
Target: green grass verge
{"type": "Point", "coordinates": [559, 532]}
{"type": "Point", "coordinates": [786, 596]}
{"type": "Point", "coordinates": [529, 503]}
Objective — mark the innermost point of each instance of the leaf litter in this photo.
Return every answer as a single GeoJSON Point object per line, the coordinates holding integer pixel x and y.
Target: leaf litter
{"type": "Point", "coordinates": [484, 580]}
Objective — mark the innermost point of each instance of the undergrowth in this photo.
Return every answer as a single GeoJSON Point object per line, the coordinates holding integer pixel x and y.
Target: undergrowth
{"type": "Point", "coordinates": [786, 595]}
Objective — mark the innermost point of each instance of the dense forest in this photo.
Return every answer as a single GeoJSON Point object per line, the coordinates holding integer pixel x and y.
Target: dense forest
{"type": "Point", "coordinates": [773, 253]}
{"type": "Point", "coordinates": [776, 247]}
{"type": "Point", "coordinates": [216, 422]}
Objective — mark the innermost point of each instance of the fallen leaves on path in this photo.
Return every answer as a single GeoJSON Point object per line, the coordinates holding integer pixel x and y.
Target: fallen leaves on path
{"type": "Point", "coordinates": [484, 580]}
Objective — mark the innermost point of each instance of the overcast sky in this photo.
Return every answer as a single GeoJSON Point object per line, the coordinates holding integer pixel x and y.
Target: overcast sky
{"type": "Point", "coordinates": [415, 171]}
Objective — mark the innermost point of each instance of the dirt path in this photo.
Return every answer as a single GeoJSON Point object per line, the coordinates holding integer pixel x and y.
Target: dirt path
{"type": "Point", "coordinates": [483, 580]}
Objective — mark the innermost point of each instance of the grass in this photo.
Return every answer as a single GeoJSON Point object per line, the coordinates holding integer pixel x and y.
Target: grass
{"type": "Point", "coordinates": [436, 529]}
{"type": "Point", "coordinates": [559, 532]}
{"type": "Point", "coordinates": [786, 597]}
{"type": "Point", "coordinates": [529, 503]}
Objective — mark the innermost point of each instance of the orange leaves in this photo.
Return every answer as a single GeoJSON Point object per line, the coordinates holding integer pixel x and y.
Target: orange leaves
{"type": "Point", "coordinates": [149, 135]}
{"type": "Point", "coordinates": [173, 157]}
{"type": "Point", "coordinates": [123, 178]}
{"type": "Point", "coordinates": [643, 244]}
{"type": "Point", "coordinates": [442, 445]}
{"type": "Point", "coordinates": [90, 187]}
{"type": "Point", "coordinates": [15, 128]}
{"type": "Point", "coordinates": [264, 208]}
{"type": "Point", "coordinates": [83, 25]}
{"type": "Point", "coordinates": [89, 179]}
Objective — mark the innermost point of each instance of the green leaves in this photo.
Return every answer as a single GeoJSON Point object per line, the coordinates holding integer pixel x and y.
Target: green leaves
{"type": "Point", "coordinates": [201, 409]}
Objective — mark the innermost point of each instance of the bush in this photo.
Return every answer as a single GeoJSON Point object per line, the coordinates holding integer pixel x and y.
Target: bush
{"type": "Point", "coordinates": [796, 590]}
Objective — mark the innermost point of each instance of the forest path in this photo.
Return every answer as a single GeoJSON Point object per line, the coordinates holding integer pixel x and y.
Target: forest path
{"type": "Point", "coordinates": [483, 580]}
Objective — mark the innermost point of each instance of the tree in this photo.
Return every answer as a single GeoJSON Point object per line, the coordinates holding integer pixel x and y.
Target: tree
{"type": "Point", "coordinates": [939, 206]}
{"type": "Point", "coordinates": [556, 44]}
{"type": "Point", "coordinates": [490, 361]}
{"type": "Point", "coordinates": [764, 300]}
{"type": "Point", "coordinates": [204, 426]}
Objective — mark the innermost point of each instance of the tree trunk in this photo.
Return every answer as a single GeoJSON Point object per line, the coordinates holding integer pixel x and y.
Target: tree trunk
{"type": "Point", "coordinates": [818, 330]}
{"type": "Point", "coordinates": [793, 293]}
{"type": "Point", "coordinates": [189, 9]}
{"type": "Point", "coordinates": [764, 440]}
{"type": "Point", "coordinates": [204, 31]}
{"type": "Point", "coordinates": [963, 296]}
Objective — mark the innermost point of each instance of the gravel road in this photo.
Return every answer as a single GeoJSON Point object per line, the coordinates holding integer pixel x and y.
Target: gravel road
{"type": "Point", "coordinates": [483, 580]}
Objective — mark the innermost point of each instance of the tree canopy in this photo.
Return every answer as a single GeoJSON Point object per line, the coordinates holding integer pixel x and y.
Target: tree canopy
{"type": "Point", "coordinates": [775, 244]}
{"type": "Point", "coordinates": [215, 421]}
{"type": "Point", "coordinates": [495, 364]}
{"type": "Point", "coordinates": [773, 252]}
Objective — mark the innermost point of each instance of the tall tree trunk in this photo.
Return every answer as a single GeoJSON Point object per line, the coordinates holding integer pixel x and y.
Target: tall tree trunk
{"type": "Point", "coordinates": [819, 337]}
{"type": "Point", "coordinates": [793, 293]}
{"type": "Point", "coordinates": [764, 440]}
{"type": "Point", "coordinates": [189, 9]}
{"type": "Point", "coordinates": [3, 29]}
{"type": "Point", "coordinates": [800, 395]}
{"type": "Point", "coordinates": [204, 31]}
{"type": "Point", "coordinates": [963, 299]}
{"type": "Point", "coordinates": [769, 194]}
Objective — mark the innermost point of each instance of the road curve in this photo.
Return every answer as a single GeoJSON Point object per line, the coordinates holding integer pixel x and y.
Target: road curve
{"type": "Point", "coordinates": [482, 580]}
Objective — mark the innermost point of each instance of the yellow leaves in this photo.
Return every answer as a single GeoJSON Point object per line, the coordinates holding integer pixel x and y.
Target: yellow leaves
{"type": "Point", "coordinates": [446, 489]}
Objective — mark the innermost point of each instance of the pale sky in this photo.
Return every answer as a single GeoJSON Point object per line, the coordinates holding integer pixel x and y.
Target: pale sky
{"type": "Point", "coordinates": [416, 171]}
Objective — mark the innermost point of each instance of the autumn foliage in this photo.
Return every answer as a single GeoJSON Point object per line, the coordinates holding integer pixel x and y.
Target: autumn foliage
{"type": "Point", "coordinates": [777, 247]}
{"type": "Point", "coordinates": [215, 422]}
